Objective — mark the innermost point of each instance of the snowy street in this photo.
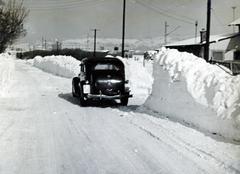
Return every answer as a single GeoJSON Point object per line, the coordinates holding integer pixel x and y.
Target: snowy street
{"type": "Point", "coordinates": [44, 130]}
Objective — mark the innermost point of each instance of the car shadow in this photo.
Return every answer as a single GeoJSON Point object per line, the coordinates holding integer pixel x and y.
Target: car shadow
{"type": "Point", "coordinates": [97, 103]}
{"type": "Point", "coordinates": [68, 97]}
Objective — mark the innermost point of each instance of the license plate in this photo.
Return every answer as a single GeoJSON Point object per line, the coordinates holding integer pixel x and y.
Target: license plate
{"type": "Point", "coordinates": [86, 89]}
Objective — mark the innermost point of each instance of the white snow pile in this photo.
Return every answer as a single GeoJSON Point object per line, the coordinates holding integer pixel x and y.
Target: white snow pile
{"type": "Point", "coordinates": [64, 66]}
{"type": "Point", "coordinates": [189, 90]}
{"type": "Point", "coordinates": [140, 79]}
{"type": "Point", "coordinates": [7, 67]}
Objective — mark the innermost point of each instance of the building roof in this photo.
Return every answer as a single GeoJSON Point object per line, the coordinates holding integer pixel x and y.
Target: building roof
{"type": "Point", "coordinates": [236, 22]}
{"type": "Point", "coordinates": [196, 41]}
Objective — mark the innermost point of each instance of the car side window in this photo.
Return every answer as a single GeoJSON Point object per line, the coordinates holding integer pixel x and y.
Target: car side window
{"type": "Point", "coordinates": [82, 74]}
{"type": "Point", "coordinates": [83, 69]}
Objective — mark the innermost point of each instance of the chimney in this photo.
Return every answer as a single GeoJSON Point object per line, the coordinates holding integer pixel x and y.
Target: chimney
{"type": "Point", "coordinates": [203, 35]}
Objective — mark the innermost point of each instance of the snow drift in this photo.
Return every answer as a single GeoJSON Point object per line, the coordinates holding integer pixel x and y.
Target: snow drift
{"type": "Point", "coordinates": [64, 66]}
{"type": "Point", "coordinates": [7, 67]}
{"type": "Point", "coordinates": [140, 79]}
{"type": "Point", "coordinates": [188, 89]}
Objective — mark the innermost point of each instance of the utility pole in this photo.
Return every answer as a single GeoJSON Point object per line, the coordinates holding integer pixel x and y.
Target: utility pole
{"type": "Point", "coordinates": [45, 44]}
{"type": "Point", "coordinates": [196, 28]}
{"type": "Point", "coordinates": [165, 32]}
{"type": "Point", "coordinates": [234, 8]}
{"type": "Point", "coordinates": [123, 27]}
{"type": "Point", "coordinates": [57, 44]}
{"type": "Point", "coordinates": [42, 42]}
{"type": "Point", "coordinates": [87, 41]}
{"type": "Point", "coordinates": [95, 41]}
{"type": "Point", "coordinates": [206, 48]}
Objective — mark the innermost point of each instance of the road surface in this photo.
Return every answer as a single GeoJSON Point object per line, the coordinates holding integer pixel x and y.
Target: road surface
{"type": "Point", "coordinates": [43, 130]}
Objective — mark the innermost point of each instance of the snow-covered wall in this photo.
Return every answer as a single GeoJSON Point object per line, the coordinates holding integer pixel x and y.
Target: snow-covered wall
{"type": "Point", "coordinates": [7, 67]}
{"type": "Point", "coordinates": [189, 90]}
{"type": "Point", "coordinates": [64, 66]}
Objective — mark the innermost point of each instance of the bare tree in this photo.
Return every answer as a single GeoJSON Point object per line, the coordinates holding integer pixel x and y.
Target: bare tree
{"type": "Point", "coordinates": [12, 16]}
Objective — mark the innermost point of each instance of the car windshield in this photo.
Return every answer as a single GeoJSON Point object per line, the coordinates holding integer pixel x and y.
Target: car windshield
{"type": "Point", "coordinates": [106, 66]}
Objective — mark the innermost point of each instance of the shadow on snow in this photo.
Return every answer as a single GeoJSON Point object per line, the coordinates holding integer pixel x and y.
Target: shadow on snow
{"type": "Point", "coordinates": [96, 103]}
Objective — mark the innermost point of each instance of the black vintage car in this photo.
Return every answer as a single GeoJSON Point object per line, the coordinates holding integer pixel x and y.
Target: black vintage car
{"type": "Point", "coordinates": [101, 78]}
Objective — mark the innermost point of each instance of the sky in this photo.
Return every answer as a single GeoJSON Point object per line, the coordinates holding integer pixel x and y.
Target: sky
{"type": "Point", "coordinates": [72, 19]}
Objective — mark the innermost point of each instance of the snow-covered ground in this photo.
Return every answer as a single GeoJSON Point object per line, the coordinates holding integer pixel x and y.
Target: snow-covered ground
{"type": "Point", "coordinates": [44, 130]}
{"type": "Point", "coordinates": [7, 65]}
{"type": "Point", "coordinates": [189, 90]}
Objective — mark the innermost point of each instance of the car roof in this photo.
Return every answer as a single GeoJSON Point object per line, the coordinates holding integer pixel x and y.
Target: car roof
{"type": "Point", "coordinates": [103, 60]}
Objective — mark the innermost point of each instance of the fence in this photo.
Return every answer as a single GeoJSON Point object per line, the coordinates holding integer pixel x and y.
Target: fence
{"type": "Point", "coordinates": [234, 66]}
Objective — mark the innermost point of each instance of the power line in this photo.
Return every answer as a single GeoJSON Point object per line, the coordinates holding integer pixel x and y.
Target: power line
{"type": "Point", "coordinates": [217, 18]}
{"type": "Point", "coordinates": [168, 10]}
{"type": "Point", "coordinates": [58, 6]}
{"type": "Point", "coordinates": [63, 5]}
{"type": "Point", "coordinates": [53, 2]}
{"type": "Point", "coordinates": [164, 13]}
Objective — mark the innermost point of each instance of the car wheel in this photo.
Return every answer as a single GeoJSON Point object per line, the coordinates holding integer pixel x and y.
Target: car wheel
{"type": "Point", "coordinates": [124, 101]}
{"type": "Point", "coordinates": [73, 92]}
{"type": "Point", "coordinates": [75, 88]}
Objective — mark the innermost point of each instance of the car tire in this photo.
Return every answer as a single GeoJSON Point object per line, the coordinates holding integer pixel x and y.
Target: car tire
{"type": "Point", "coordinates": [73, 92]}
{"type": "Point", "coordinates": [75, 87]}
{"type": "Point", "coordinates": [124, 101]}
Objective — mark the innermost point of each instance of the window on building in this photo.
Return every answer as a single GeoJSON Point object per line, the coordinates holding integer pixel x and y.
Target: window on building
{"type": "Point", "coordinates": [236, 55]}
{"type": "Point", "coordinates": [218, 55]}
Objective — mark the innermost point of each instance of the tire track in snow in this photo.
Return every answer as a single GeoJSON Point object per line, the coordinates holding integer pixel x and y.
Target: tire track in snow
{"type": "Point", "coordinates": [7, 128]}
{"type": "Point", "coordinates": [200, 153]}
{"type": "Point", "coordinates": [179, 145]}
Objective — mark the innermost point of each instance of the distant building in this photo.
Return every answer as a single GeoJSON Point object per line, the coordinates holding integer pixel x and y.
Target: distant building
{"type": "Point", "coordinates": [222, 47]}
{"type": "Point", "coordinates": [138, 55]}
{"type": "Point", "coordinates": [57, 46]}
{"type": "Point", "coordinates": [236, 23]}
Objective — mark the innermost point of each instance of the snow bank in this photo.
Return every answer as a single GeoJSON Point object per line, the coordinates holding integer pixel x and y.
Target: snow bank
{"type": "Point", "coordinates": [140, 77]}
{"type": "Point", "coordinates": [7, 67]}
{"type": "Point", "coordinates": [64, 66]}
{"type": "Point", "coordinates": [188, 89]}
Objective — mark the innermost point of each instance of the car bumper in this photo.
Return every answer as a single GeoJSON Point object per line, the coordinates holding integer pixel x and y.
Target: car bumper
{"type": "Point", "coordinates": [102, 96]}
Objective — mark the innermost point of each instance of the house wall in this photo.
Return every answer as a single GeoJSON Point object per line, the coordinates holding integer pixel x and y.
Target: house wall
{"type": "Point", "coordinates": [216, 55]}
{"type": "Point", "coordinates": [219, 51]}
{"type": "Point", "coordinates": [227, 47]}
{"type": "Point", "coordinates": [229, 55]}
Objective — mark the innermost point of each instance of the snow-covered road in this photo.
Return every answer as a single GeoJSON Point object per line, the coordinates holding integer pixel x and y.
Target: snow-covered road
{"type": "Point", "coordinates": [44, 130]}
